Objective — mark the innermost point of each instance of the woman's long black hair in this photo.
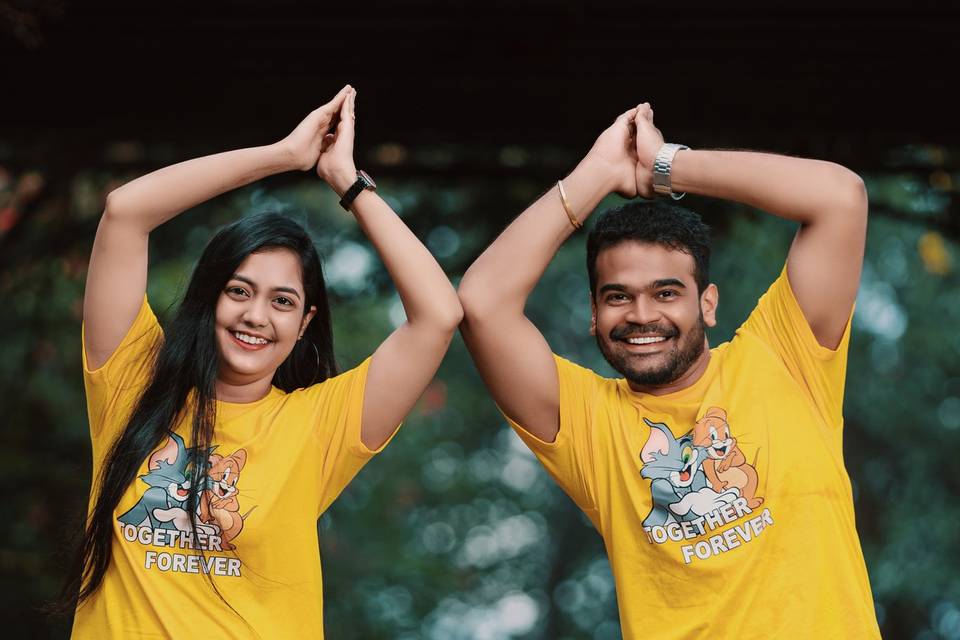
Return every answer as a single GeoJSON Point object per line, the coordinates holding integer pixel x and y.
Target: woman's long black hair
{"type": "Point", "coordinates": [183, 377]}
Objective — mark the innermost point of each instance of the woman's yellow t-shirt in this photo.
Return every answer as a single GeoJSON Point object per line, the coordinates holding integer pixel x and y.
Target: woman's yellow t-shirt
{"type": "Point", "coordinates": [725, 508]}
{"type": "Point", "coordinates": [278, 463]}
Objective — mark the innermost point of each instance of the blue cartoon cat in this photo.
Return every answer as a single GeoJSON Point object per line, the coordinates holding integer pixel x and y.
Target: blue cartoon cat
{"type": "Point", "coordinates": [163, 505]}
{"type": "Point", "coordinates": [679, 486]}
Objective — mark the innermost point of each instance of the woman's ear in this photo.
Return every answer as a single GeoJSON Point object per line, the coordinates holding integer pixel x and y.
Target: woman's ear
{"type": "Point", "coordinates": [307, 317]}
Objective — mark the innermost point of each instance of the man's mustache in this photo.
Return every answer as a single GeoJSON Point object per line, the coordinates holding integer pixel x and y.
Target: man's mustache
{"type": "Point", "coordinates": [629, 329]}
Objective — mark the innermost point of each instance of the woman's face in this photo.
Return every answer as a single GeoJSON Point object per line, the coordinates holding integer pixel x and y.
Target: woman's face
{"type": "Point", "coordinates": [260, 315]}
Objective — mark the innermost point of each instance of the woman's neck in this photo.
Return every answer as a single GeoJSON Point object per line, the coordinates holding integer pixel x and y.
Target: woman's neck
{"type": "Point", "coordinates": [242, 392]}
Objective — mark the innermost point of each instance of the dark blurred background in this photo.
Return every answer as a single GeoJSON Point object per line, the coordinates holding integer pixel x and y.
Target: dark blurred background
{"type": "Point", "coordinates": [466, 112]}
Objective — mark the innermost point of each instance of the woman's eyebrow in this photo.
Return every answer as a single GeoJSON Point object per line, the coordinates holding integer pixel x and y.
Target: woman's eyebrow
{"type": "Point", "coordinates": [253, 284]}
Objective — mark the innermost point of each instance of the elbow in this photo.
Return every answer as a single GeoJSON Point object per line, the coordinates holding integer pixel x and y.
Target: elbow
{"type": "Point", "coordinates": [441, 319]}
{"type": "Point", "coordinates": [451, 316]}
{"type": "Point", "coordinates": [852, 195]}
{"type": "Point", "coordinates": [474, 297]}
{"type": "Point", "coordinates": [114, 205]}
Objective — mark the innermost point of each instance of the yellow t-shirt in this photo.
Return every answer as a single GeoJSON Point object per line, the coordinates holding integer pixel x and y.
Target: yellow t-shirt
{"type": "Point", "coordinates": [751, 536]}
{"type": "Point", "coordinates": [278, 464]}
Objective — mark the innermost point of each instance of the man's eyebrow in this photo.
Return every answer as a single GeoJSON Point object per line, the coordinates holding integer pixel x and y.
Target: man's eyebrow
{"type": "Point", "coordinates": [656, 284]}
{"type": "Point", "coordinates": [667, 282]}
{"type": "Point", "coordinates": [613, 286]}
{"type": "Point", "coordinates": [253, 284]}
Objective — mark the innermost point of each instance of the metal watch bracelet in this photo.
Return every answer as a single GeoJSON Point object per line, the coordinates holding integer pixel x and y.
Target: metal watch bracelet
{"type": "Point", "coordinates": [662, 166]}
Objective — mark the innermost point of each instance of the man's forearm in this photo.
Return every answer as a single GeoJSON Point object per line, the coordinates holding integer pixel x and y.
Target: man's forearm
{"type": "Point", "coordinates": [798, 189]}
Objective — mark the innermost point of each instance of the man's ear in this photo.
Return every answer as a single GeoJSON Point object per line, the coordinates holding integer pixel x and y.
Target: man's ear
{"type": "Point", "coordinates": [307, 317]}
{"type": "Point", "coordinates": [593, 316]}
{"type": "Point", "coordinates": [709, 300]}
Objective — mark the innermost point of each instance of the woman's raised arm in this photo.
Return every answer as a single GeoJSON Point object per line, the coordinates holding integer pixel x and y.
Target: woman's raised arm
{"type": "Point", "coordinates": [117, 277]}
{"type": "Point", "coordinates": [407, 360]}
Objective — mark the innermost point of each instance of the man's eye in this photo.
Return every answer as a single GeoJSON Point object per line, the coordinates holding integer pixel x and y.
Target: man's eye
{"type": "Point", "coordinates": [666, 295]}
{"type": "Point", "coordinates": [616, 297]}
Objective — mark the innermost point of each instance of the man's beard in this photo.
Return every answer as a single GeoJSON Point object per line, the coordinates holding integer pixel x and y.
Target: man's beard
{"type": "Point", "coordinates": [684, 353]}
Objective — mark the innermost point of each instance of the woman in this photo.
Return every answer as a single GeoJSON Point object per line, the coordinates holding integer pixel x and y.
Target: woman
{"type": "Point", "coordinates": [218, 444]}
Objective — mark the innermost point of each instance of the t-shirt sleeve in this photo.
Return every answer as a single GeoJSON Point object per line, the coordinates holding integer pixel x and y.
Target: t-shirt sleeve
{"type": "Point", "coordinates": [780, 324]}
{"type": "Point", "coordinates": [569, 459]}
{"type": "Point", "coordinates": [113, 388]}
{"type": "Point", "coordinates": [337, 406]}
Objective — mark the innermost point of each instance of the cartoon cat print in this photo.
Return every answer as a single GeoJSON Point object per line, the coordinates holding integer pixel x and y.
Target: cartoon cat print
{"type": "Point", "coordinates": [218, 502]}
{"type": "Point", "coordinates": [725, 466]}
{"type": "Point", "coordinates": [168, 484]}
{"type": "Point", "coordinates": [679, 488]}
{"type": "Point", "coordinates": [163, 505]}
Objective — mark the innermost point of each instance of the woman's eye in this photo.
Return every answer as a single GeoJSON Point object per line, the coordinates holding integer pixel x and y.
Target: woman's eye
{"type": "Point", "coordinates": [284, 301]}
{"type": "Point", "coordinates": [238, 291]}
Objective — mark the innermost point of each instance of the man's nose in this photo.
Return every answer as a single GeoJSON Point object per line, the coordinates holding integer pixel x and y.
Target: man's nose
{"type": "Point", "coordinates": [642, 312]}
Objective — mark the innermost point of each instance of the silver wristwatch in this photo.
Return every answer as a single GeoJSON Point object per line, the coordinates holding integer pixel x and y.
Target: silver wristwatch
{"type": "Point", "coordinates": [662, 165]}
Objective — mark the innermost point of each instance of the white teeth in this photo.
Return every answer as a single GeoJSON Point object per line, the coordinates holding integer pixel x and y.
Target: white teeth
{"type": "Point", "coordinates": [242, 337]}
{"type": "Point", "coordinates": [646, 340]}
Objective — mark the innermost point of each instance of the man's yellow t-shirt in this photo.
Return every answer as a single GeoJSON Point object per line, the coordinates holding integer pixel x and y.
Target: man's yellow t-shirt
{"type": "Point", "coordinates": [724, 507]}
{"type": "Point", "coordinates": [277, 464]}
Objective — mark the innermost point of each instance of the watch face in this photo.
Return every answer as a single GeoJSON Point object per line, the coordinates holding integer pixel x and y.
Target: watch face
{"type": "Point", "coordinates": [363, 175]}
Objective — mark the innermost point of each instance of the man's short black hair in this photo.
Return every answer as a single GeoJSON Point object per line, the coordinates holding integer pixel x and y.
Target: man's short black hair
{"type": "Point", "coordinates": [655, 222]}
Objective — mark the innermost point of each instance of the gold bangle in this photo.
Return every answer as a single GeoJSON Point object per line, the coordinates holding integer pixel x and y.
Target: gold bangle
{"type": "Point", "coordinates": [566, 207]}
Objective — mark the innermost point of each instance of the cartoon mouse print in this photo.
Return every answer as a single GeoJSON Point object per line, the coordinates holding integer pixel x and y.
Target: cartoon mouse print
{"type": "Point", "coordinates": [725, 466]}
{"type": "Point", "coordinates": [218, 502]}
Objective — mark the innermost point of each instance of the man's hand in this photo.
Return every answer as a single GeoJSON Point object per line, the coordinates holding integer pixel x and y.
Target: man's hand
{"type": "Point", "coordinates": [305, 142]}
{"type": "Point", "coordinates": [647, 142]}
{"type": "Point", "coordinates": [615, 150]}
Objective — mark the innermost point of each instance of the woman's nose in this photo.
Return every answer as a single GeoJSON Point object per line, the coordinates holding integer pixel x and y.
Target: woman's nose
{"type": "Point", "coordinates": [255, 314]}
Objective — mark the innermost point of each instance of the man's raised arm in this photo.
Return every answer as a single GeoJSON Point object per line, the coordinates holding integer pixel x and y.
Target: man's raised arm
{"type": "Point", "coordinates": [828, 201]}
{"type": "Point", "coordinates": [512, 355]}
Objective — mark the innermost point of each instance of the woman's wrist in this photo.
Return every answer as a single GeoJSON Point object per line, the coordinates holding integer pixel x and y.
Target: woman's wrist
{"type": "Point", "coordinates": [341, 180]}
{"type": "Point", "coordinates": [287, 157]}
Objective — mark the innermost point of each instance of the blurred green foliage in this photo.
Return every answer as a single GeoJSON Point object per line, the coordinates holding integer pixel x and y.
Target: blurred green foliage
{"type": "Point", "coordinates": [455, 531]}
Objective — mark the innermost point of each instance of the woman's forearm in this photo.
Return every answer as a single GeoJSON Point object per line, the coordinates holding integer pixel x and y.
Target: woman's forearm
{"type": "Point", "coordinates": [427, 296]}
{"type": "Point", "coordinates": [151, 200]}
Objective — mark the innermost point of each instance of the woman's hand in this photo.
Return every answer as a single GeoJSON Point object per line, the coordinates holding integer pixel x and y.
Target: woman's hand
{"type": "Point", "coordinates": [306, 141]}
{"type": "Point", "coordinates": [335, 164]}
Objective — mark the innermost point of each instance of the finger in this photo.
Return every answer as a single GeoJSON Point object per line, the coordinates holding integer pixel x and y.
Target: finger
{"type": "Point", "coordinates": [643, 112]}
{"type": "Point", "coordinates": [648, 111]}
{"type": "Point", "coordinates": [334, 105]}
{"type": "Point", "coordinates": [346, 127]}
{"type": "Point", "coordinates": [326, 142]}
{"type": "Point", "coordinates": [628, 115]}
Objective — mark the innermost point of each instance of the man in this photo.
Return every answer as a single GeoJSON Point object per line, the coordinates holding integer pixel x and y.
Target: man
{"type": "Point", "coordinates": [714, 476]}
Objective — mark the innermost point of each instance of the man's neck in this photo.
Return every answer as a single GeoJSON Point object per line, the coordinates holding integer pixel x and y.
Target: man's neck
{"type": "Point", "coordinates": [687, 379]}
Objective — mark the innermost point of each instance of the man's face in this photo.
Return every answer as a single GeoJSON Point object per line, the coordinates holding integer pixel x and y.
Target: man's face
{"type": "Point", "coordinates": [647, 315]}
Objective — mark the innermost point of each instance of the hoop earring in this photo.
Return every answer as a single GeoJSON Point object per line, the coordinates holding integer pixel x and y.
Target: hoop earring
{"type": "Point", "coordinates": [316, 352]}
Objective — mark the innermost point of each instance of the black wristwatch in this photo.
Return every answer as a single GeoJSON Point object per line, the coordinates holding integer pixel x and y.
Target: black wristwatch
{"type": "Point", "coordinates": [363, 182]}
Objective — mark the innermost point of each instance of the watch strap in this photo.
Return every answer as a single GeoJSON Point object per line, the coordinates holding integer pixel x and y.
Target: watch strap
{"type": "Point", "coordinates": [363, 182]}
{"type": "Point", "coordinates": [662, 166]}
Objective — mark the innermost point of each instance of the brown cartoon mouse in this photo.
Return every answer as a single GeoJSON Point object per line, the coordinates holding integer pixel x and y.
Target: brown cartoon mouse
{"type": "Point", "coordinates": [218, 502]}
{"type": "Point", "coordinates": [725, 465]}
